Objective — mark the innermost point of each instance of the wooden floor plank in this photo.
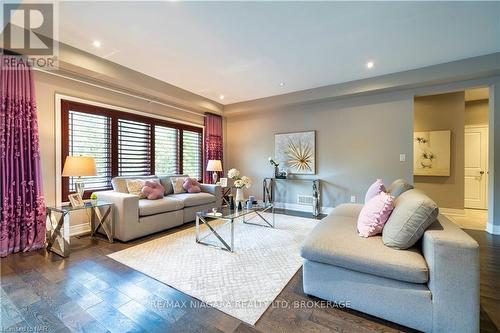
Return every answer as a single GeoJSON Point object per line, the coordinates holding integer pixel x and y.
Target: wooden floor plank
{"type": "Point", "coordinates": [89, 292]}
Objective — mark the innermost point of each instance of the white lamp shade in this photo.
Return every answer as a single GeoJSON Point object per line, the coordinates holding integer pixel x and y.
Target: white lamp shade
{"type": "Point", "coordinates": [214, 165]}
{"type": "Point", "coordinates": [76, 166]}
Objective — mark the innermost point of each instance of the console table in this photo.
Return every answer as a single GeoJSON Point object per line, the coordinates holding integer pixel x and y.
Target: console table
{"type": "Point", "coordinates": [270, 183]}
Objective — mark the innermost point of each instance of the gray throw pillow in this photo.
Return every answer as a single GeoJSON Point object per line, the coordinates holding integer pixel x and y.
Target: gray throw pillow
{"type": "Point", "coordinates": [398, 187]}
{"type": "Point", "coordinates": [413, 213]}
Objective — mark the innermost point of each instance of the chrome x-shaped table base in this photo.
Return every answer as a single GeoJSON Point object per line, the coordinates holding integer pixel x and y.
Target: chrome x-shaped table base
{"type": "Point", "coordinates": [206, 220]}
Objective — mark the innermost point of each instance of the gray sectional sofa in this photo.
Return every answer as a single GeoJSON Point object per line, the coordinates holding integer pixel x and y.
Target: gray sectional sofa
{"type": "Point", "coordinates": [136, 217]}
{"type": "Point", "coordinates": [432, 286]}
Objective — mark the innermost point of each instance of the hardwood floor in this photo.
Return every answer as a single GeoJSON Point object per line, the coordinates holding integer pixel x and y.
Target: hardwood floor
{"type": "Point", "coordinates": [89, 292]}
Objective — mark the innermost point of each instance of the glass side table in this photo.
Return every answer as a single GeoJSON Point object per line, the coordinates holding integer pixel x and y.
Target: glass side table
{"type": "Point", "coordinates": [57, 224]}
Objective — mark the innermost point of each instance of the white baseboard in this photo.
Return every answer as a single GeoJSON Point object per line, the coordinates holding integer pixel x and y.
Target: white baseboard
{"type": "Point", "coordinates": [493, 229]}
{"type": "Point", "coordinates": [452, 211]}
{"type": "Point", "coordinates": [79, 229]}
{"type": "Point", "coordinates": [300, 208]}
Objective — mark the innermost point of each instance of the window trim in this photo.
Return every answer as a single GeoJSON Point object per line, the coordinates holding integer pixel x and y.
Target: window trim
{"type": "Point", "coordinates": [67, 105]}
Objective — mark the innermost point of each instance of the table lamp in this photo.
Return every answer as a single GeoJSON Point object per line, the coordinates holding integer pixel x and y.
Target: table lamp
{"type": "Point", "coordinates": [79, 166]}
{"type": "Point", "coordinates": [214, 165]}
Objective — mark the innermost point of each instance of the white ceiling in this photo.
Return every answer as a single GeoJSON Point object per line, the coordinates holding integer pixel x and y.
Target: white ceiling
{"type": "Point", "coordinates": [243, 50]}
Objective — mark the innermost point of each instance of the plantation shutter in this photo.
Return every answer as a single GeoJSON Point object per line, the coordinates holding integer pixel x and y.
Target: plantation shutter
{"type": "Point", "coordinates": [90, 135]}
{"type": "Point", "coordinates": [166, 150]}
{"type": "Point", "coordinates": [191, 154]}
{"type": "Point", "coordinates": [134, 148]}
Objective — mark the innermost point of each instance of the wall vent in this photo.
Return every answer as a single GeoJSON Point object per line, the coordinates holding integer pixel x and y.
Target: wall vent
{"type": "Point", "coordinates": [305, 200]}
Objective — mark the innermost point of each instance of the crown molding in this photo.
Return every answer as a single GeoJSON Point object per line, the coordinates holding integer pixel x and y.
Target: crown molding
{"type": "Point", "coordinates": [73, 61]}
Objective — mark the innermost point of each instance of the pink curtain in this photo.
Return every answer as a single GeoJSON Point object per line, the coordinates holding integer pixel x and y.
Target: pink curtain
{"type": "Point", "coordinates": [213, 142]}
{"type": "Point", "coordinates": [22, 214]}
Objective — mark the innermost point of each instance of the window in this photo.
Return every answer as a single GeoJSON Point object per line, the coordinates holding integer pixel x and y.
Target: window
{"type": "Point", "coordinates": [134, 148]}
{"type": "Point", "coordinates": [89, 135]}
{"type": "Point", "coordinates": [125, 144]}
{"type": "Point", "coordinates": [166, 150]}
{"type": "Point", "coordinates": [191, 154]}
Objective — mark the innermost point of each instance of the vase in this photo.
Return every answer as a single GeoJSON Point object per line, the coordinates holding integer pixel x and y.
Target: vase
{"type": "Point", "coordinates": [240, 196]}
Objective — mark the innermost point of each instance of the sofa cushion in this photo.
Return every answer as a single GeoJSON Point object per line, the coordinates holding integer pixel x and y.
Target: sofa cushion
{"type": "Point", "coordinates": [374, 190]}
{"type": "Point", "coordinates": [194, 199]}
{"type": "Point", "coordinates": [398, 187]}
{"type": "Point", "coordinates": [413, 213]}
{"type": "Point", "coordinates": [374, 214]}
{"type": "Point", "coordinates": [152, 207]}
{"type": "Point", "coordinates": [120, 183]}
{"type": "Point", "coordinates": [167, 183]}
{"type": "Point", "coordinates": [335, 241]}
{"type": "Point", "coordinates": [348, 209]}
{"type": "Point", "coordinates": [134, 186]}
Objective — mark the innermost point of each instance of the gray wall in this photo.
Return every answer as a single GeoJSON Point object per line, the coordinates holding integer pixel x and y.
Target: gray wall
{"type": "Point", "coordinates": [444, 112]}
{"type": "Point", "coordinates": [357, 141]}
{"type": "Point", "coordinates": [476, 112]}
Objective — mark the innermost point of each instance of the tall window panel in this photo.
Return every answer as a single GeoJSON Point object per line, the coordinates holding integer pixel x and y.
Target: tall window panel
{"type": "Point", "coordinates": [126, 144]}
{"type": "Point", "coordinates": [192, 154]}
{"type": "Point", "coordinates": [90, 135]}
{"type": "Point", "coordinates": [134, 148]}
{"type": "Point", "coordinates": [166, 150]}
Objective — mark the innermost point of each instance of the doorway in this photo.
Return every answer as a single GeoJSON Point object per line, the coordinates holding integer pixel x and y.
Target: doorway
{"type": "Point", "coordinates": [476, 167]}
{"type": "Point", "coordinates": [451, 134]}
{"type": "Point", "coordinates": [476, 159]}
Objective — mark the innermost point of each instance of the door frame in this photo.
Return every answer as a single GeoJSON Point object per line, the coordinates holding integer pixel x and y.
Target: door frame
{"type": "Point", "coordinates": [487, 127]}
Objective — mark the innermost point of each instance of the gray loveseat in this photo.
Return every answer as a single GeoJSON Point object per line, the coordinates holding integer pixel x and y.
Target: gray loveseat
{"type": "Point", "coordinates": [136, 217]}
{"type": "Point", "coordinates": [432, 287]}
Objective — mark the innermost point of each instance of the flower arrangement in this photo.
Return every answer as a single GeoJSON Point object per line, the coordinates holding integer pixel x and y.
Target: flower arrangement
{"type": "Point", "coordinates": [239, 182]}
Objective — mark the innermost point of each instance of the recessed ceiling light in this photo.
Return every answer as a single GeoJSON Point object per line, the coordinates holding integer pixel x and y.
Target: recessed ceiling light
{"type": "Point", "coordinates": [96, 43]}
{"type": "Point", "coordinates": [221, 97]}
{"type": "Point", "coordinates": [282, 84]}
{"type": "Point", "coordinates": [370, 64]}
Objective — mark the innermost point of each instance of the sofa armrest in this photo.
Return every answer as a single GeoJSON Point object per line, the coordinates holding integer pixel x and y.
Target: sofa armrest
{"type": "Point", "coordinates": [126, 210]}
{"type": "Point", "coordinates": [453, 260]}
{"type": "Point", "coordinates": [216, 190]}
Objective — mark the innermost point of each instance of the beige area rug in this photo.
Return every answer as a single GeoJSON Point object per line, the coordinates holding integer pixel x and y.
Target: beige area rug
{"type": "Point", "coordinates": [242, 284]}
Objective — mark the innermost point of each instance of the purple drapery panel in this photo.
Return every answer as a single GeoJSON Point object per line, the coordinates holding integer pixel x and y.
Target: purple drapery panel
{"type": "Point", "coordinates": [213, 142]}
{"type": "Point", "coordinates": [22, 212]}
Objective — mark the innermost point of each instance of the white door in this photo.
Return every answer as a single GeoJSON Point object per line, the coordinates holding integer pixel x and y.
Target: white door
{"type": "Point", "coordinates": [476, 167]}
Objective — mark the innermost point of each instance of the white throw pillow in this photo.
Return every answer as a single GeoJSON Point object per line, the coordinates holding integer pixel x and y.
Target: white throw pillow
{"type": "Point", "coordinates": [177, 183]}
{"type": "Point", "coordinates": [134, 186]}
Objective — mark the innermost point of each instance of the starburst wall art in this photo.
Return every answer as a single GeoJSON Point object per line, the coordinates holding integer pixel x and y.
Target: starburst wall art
{"type": "Point", "coordinates": [296, 152]}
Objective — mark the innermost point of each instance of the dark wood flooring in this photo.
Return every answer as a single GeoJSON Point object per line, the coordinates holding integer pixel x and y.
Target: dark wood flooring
{"type": "Point", "coordinates": [89, 292]}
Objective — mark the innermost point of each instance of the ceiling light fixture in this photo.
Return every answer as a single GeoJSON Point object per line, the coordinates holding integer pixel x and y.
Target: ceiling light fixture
{"type": "Point", "coordinates": [370, 64]}
{"type": "Point", "coordinates": [96, 43]}
{"type": "Point", "coordinates": [282, 84]}
{"type": "Point", "coordinates": [221, 97]}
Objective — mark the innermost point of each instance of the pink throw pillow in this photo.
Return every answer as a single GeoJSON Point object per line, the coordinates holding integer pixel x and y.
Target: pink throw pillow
{"type": "Point", "coordinates": [374, 214]}
{"type": "Point", "coordinates": [191, 185]}
{"type": "Point", "coordinates": [153, 190]}
{"type": "Point", "coordinates": [374, 189]}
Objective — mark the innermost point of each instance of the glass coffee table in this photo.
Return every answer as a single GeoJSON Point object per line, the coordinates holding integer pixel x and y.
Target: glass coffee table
{"type": "Point", "coordinates": [225, 216]}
